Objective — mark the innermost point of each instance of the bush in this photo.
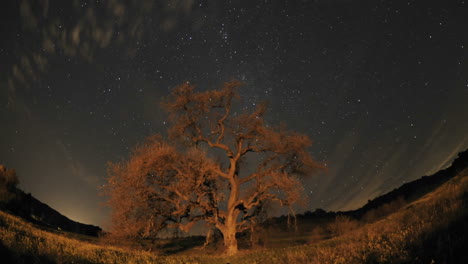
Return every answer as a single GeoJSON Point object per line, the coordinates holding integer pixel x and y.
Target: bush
{"type": "Point", "coordinates": [8, 183]}
{"type": "Point", "coordinates": [342, 225]}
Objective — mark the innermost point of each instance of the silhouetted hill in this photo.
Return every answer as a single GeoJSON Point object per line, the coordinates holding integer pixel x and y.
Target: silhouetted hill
{"type": "Point", "coordinates": [319, 225]}
{"type": "Point", "coordinates": [30, 208]}
{"type": "Point", "coordinates": [17, 202]}
{"type": "Point", "coordinates": [412, 191]}
{"type": "Point", "coordinates": [406, 193]}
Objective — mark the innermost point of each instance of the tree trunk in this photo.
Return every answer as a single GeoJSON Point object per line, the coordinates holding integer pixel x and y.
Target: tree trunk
{"type": "Point", "coordinates": [230, 230]}
{"type": "Point", "coordinates": [230, 241]}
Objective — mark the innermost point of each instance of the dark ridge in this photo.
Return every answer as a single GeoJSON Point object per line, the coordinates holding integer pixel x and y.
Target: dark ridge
{"type": "Point", "coordinates": [414, 190]}
{"type": "Point", "coordinates": [17, 202]}
{"type": "Point", "coordinates": [31, 209]}
{"type": "Point", "coordinates": [406, 193]}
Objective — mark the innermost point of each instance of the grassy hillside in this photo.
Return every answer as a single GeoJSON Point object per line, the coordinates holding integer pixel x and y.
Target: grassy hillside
{"type": "Point", "coordinates": [432, 228]}
{"type": "Point", "coordinates": [17, 202]}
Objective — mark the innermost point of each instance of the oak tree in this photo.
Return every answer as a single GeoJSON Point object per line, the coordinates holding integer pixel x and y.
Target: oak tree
{"type": "Point", "coordinates": [220, 164]}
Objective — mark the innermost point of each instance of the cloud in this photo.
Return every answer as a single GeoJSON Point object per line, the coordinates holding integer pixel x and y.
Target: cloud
{"type": "Point", "coordinates": [27, 15]}
{"type": "Point", "coordinates": [92, 27]}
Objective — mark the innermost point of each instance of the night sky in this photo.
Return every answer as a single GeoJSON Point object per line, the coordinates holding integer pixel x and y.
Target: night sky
{"type": "Point", "coordinates": [381, 87]}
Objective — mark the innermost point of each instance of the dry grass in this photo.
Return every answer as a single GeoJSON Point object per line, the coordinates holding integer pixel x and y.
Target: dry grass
{"type": "Point", "coordinates": [434, 228]}
{"type": "Point", "coordinates": [24, 243]}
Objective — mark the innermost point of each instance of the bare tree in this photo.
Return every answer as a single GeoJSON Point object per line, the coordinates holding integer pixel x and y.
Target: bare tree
{"type": "Point", "coordinates": [196, 174]}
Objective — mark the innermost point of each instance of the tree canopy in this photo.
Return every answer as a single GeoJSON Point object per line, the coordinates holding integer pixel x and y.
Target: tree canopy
{"type": "Point", "coordinates": [220, 164]}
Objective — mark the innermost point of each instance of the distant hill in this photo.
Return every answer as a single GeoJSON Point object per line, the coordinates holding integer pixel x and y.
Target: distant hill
{"type": "Point", "coordinates": [414, 190]}
{"type": "Point", "coordinates": [384, 204]}
{"type": "Point", "coordinates": [31, 209]}
{"type": "Point", "coordinates": [414, 199]}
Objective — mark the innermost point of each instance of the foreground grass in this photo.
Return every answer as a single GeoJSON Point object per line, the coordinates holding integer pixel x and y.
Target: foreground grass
{"type": "Point", "coordinates": [21, 242]}
{"type": "Point", "coordinates": [434, 228]}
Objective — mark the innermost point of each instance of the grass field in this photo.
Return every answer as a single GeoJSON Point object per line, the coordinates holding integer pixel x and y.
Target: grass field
{"type": "Point", "coordinates": [431, 229]}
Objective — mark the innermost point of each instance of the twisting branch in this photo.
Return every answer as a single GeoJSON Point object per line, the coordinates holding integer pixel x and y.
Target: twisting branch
{"type": "Point", "coordinates": [176, 183]}
{"type": "Point", "coordinates": [227, 109]}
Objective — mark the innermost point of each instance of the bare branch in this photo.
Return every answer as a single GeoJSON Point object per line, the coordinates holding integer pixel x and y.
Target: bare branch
{"type": "Point", "coordinates": [176, 183]}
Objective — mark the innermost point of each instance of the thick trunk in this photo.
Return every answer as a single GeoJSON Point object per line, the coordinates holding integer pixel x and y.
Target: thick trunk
{"type": "Point", "coordinates": [230, 242]}
{"type": "Point", "coordinates": [230, 230]}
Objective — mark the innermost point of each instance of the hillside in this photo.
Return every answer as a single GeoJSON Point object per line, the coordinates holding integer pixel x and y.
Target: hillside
{"type": "Point", "coordinates": [412, 191]}
{"type": "Point", "coordinates": [320, 224]}
{"type": "Point", "coordinates": [31, 209]}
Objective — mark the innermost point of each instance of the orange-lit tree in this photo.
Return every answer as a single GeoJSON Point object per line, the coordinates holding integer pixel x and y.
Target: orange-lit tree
{"type": "Point", "coordinates": [196, 175]}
